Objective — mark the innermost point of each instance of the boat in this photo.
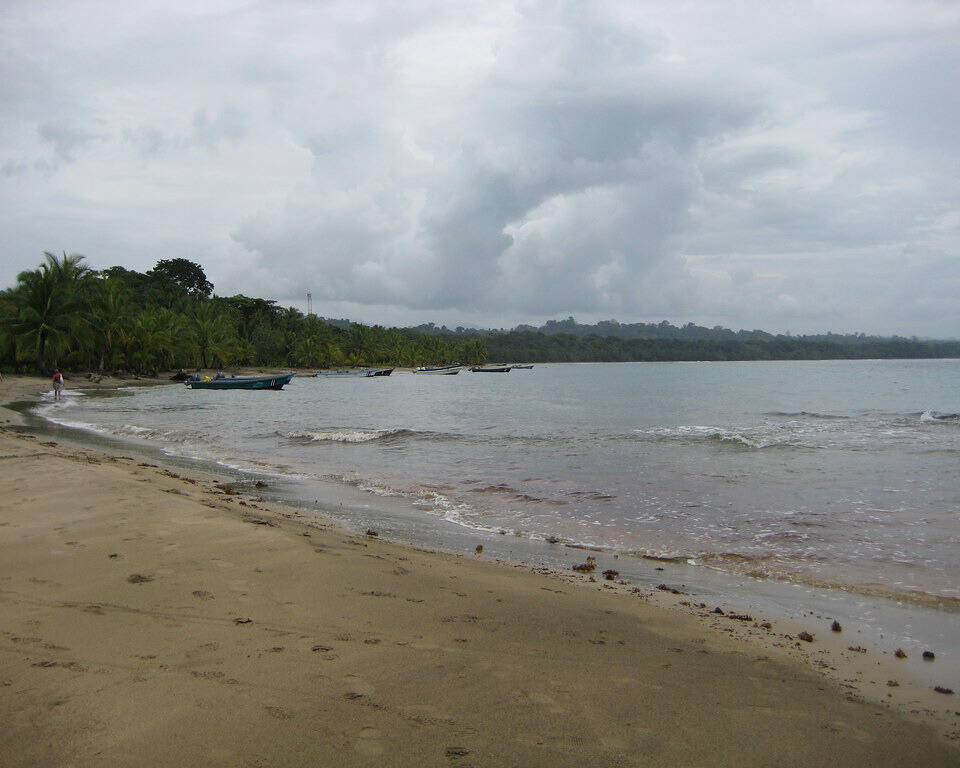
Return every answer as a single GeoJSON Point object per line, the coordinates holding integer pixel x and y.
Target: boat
{"type": "Point", "coordinates": [522, 367]}
{"type": "Point", "coordinates": [440, 370]}
{"type": "Point", "coordinates": [363, 372]}
{"type": "Point", "coordinates": [241, 382]}
{"type": "Point", "coordinates": [491, 369]}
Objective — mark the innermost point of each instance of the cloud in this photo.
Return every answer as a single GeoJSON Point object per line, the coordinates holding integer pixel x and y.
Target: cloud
{"type": "Point", "coordinates": [66, 140]}
{"type": "Point", "coordinates": [755, 165]}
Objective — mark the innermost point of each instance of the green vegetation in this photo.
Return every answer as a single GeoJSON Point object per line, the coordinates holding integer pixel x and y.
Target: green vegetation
{"type": "Point", "coordinates": [63, 314]}
{"type": "Point", "coordinates": [538, 347]}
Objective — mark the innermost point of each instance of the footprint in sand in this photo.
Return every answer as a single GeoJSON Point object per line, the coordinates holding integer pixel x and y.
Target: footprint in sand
{"type": "Point", "coordinates": [356, 684]}
{"type": "Point", "coordinates": [849, 731]}
{"type": "Point", "coordinates": [368, 742]}
{"type": "Point", "coordinates": [543, 700]}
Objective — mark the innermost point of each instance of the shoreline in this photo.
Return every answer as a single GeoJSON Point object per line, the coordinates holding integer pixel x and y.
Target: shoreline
{"type": "Point", "coordinates": [455, 669]}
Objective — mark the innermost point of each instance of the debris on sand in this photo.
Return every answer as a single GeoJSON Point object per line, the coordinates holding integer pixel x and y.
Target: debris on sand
{"type": "Point", "coordinates": [671, 590]}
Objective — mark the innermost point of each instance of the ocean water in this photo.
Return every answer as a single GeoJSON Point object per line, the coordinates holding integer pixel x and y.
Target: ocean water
{"type": "Point", "coordinates": [839, 475]}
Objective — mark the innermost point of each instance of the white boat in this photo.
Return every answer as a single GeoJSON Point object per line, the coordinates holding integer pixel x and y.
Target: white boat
{"type": "Point", "coordinates": [364, 372]}
{"type": "Point", "coordinates": [440, 370]}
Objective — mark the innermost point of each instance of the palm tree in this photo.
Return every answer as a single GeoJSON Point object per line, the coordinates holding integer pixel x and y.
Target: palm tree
{"type": "Point", "coordinates": [113, 319]}
{"type": "Point", "coordinates": [361, 344]}
{"type": "Point", "coordinates": [212, 334]}
{"type": "Point", "coordinates": [433, 349]}
{"type": "Point", "coordinates": [153, 341]}
{"type": "Point", "coordinates": [396, 347]}
{"type": "Point", "coordinates": [52, 308]}
{"type": "Point", "coordinates": [8, 313]}
{"type": "Point", "coordinates": [472, 351]}
{"type": "Point", "coordinates": [312, 346]}
{"type": "Point", "coordinates": [308, 352]}
{"type": "Point", "coordinates": [68, 269]}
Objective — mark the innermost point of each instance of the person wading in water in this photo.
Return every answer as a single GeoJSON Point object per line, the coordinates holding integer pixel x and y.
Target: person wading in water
{"type": "Point", "coordinates": [57, 384]}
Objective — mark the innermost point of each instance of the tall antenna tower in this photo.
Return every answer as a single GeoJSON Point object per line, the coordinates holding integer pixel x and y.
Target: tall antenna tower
{"type": "Point", "coordinates": [309, 304]}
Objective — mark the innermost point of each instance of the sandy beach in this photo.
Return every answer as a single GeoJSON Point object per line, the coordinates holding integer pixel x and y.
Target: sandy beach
{"type": "Point", "coordinates": [148, 617]}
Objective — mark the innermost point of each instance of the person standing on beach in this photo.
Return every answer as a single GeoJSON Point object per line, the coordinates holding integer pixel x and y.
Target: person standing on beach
{"type": "Point", "coordinates": [57, 384]}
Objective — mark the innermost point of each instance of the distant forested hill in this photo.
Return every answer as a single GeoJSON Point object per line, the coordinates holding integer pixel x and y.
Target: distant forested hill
{"type": "Point", "coordinates": [564, 347]}
{"type": "Point", "coordinates": [610, 341]}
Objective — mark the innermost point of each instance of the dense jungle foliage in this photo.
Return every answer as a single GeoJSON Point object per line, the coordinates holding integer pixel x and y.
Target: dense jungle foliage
{"type": "Point", "coordinates": [64, 314]}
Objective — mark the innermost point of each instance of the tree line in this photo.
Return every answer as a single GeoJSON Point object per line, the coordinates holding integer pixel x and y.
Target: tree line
{"type": "Point", "coordinates": [689, 332]}
{"type": "Point", "coordinates": [536, 347]}
{"type": "Point", "coordinates": [64, 314]}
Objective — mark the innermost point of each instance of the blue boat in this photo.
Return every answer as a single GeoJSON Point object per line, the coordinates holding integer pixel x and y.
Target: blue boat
{"type": "Point", "coordinates": [241, 382]}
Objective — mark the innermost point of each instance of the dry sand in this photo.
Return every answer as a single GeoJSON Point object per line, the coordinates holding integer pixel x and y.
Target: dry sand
{"type": "Point", "coordinates": [151, 619]}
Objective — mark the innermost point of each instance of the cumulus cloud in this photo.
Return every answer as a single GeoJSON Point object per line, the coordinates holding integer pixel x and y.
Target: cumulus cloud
{"type": "Point", "coordinates": [732, 162]}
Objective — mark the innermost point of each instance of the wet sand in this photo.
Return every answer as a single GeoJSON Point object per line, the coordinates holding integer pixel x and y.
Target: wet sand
{"type": "Point", "coordinates": [148, 617]}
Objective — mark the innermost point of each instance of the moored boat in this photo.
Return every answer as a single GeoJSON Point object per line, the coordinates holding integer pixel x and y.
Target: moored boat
{"type": "Point", "coordinates": [440, 370]}
{"type": "Point", "coordinates": [362, 372]}
{"type": "Point", "coordinates": [241, 382]}
{"type": "Point", "coordinates": [522, 367]}
{"type": "Point", "coordinates": [491, 369]}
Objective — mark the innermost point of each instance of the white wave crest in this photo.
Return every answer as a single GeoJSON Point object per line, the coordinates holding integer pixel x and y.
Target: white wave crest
{"type": "Point", "coordinates": [339, 435]}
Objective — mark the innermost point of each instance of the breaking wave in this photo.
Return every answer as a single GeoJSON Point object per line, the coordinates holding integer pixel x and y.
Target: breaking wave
{"type": "Point", "coordinates": [814, 431]}
{"type": "Point", "coordinates": [123, 430]}
{"type": "Point", "coordinates": [346, 435]}
{"type": "Point", "coordinates": [934, 417]}
{"type": "Point", "coordinates": [751, 438]}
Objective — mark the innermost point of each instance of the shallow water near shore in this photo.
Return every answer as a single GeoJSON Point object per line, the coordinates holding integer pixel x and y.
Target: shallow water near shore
{"type": "Point", "coordinates": [824, 487]}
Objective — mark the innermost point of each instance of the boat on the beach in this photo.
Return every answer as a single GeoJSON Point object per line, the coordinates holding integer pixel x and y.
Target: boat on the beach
{"type": "Point", "coordinates": [241, 382]}
{"type": "Point", "coordinates": [440, 370]}
{"type": "Point", "coordinates": [378, 372]}
{"type": "Point", "coordinates": [491, 369]}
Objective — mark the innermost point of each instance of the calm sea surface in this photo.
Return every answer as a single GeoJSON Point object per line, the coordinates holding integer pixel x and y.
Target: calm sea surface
{"type": "Point", "coordinates": [839, 474]}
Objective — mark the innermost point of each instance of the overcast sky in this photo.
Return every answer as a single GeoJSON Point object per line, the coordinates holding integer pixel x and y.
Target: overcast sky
{"type": "Point", "coordinates": [791, 166]}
